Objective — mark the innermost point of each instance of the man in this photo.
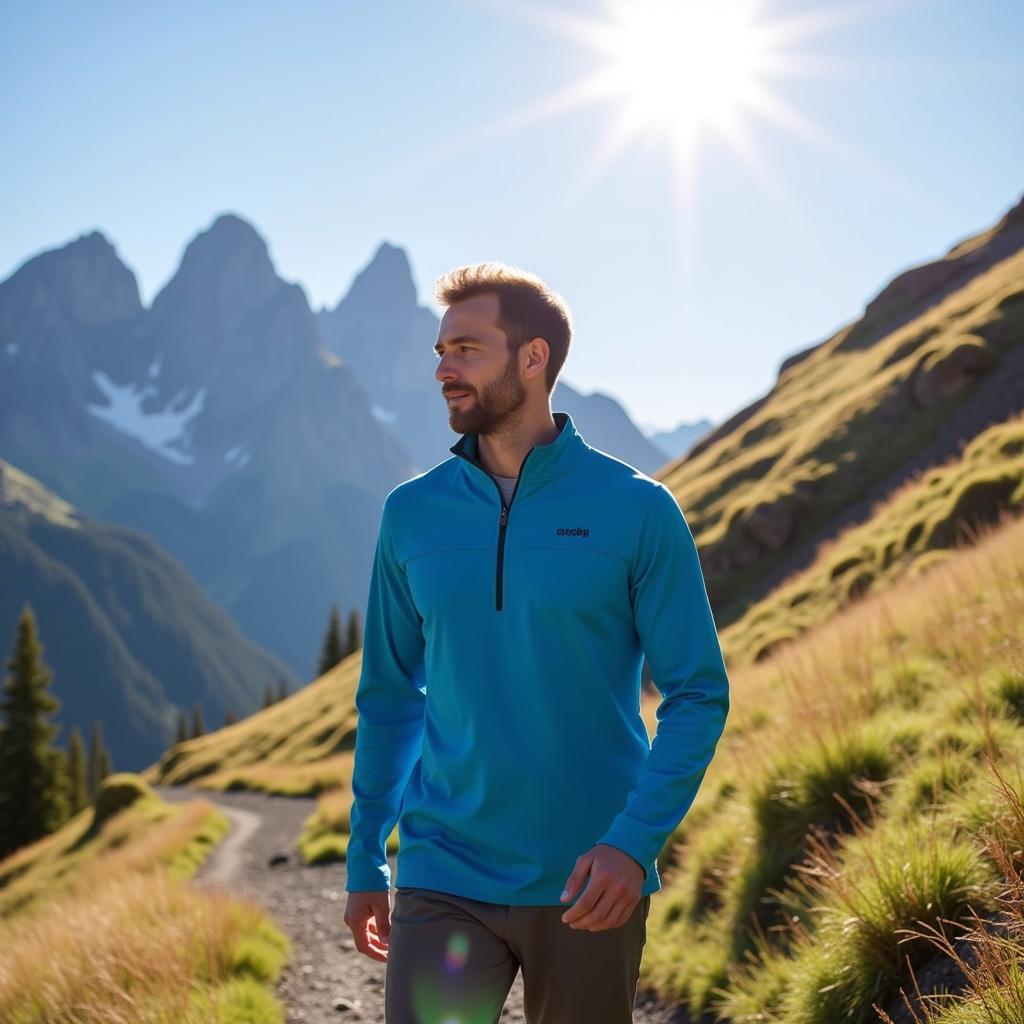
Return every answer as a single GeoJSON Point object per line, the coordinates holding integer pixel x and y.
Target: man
{"type": "Point", "coordinates": [516, 588]}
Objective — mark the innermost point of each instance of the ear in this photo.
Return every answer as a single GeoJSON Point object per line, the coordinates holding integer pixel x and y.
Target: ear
{"type": "Point", "coordinates": [537, 354]}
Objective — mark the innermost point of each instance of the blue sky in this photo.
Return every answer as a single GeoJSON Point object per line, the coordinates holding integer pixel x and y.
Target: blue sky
{"type": "Point", "coordinates": [335, 126]}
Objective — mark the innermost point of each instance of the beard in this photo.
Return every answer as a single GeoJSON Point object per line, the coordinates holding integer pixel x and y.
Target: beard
{"type": "Point", "coordinates": [490, 410]}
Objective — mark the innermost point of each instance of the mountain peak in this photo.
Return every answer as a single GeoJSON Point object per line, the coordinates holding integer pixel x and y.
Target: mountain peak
{"type": "Point", "coordinates": [234, 229]}
{"type": "Point", "coordinates": [85, 279]}
{"type": "Point", "coordinates": [229, 237]}
{"type": "Point", "coordinates": [387, 278]}
{"type": "Point", "coordinates": [230, 260]}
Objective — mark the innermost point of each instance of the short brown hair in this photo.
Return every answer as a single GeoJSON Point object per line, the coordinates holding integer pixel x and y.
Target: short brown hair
{"type": "Point", "coordinates": [527, 307]}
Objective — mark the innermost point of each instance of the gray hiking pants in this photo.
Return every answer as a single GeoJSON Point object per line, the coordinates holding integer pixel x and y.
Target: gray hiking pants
{"type": "Point", "coordinates": [451, 958]}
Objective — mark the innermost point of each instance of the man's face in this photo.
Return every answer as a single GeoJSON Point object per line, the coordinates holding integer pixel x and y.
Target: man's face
{"type": "Point", "coordinates": [479, 378]}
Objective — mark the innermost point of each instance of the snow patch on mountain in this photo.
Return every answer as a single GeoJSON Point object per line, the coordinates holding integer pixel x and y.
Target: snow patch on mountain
{"type": "Point", "coordinates": [158, 431]}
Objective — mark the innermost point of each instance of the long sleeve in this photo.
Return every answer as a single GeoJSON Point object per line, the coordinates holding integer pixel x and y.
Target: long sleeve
{"type": "Point", "coordinates": [674, 622]}
{"type": "Point", "coordinates": [390, 701]}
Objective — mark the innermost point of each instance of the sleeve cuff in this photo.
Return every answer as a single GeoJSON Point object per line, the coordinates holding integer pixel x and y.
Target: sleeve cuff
{"type": "Point", "coordinates": [622, 840]}
{"type": "Point", "coordinates": [370, 879]}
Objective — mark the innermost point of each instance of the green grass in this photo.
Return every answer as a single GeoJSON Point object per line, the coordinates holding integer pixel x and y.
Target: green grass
{"type": "Point", "coordinates": [325, 833]}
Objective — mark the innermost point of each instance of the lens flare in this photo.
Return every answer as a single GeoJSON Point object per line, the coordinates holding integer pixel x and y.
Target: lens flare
{"type": "Point", "coordinates": [457, 953]}
{"type": "Point", "coordinates": [441, 996]}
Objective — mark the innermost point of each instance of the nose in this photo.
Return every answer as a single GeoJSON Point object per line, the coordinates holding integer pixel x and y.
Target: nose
{"type": "Point", "coordinates": [443, 371]}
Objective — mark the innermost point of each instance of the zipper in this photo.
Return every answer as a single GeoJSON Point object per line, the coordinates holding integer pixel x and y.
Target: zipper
{"type": "Point", "coordinates": [499, 573]}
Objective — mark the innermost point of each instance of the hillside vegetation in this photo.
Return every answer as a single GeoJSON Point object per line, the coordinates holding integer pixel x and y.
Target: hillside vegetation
{"type": "Point", "coordinates": [849, 798]}
{"type": "Point", "coordinates": [97, 927]}
{"type": "Point", "coordinates": [298, 746]}
{"type": "Point", "coordinates": [914, 527]}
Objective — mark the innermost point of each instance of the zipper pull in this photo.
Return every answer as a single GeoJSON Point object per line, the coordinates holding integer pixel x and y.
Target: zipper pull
{"type": "Point", "coordinates": [504, 515]}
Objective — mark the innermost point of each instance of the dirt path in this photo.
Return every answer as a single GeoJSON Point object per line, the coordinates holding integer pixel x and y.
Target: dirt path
{"type": "Point", "coordinates": [225, 863]}
{"type": "Point", "coordinates": [327, 980]}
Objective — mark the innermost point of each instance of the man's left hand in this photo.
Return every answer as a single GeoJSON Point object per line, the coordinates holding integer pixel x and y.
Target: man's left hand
{"type": "Point", "coordinates": [612, 892]}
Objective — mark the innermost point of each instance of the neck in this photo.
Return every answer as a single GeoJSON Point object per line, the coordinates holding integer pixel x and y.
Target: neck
{"type": "Point", "coordinates": [503, 451]}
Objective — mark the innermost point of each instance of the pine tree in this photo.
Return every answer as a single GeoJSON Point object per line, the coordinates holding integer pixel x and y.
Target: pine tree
{"type": "Point", "coordinates": [99, 759]}
{"type": "Point", "coordinates": [282, 689]}
{"type": "Point", "coordinates": [268, 696]}
{"type": "Point", "coordinates": [33, 781]}
{"type": "Point", "coordinates": [181, 732]}
{"type": "Point", "coordinates": [77, 796]}
{"type": "Point", "coordinates": [355, 632]}
{"type": "Point", "coordinates": [333, 649]}
{"type": "Point", "coordinates": [106, 765]}
{"type": "Point", "coordinates": [198, 726]}
{"type": "Point", "coordinates": [230, 717]}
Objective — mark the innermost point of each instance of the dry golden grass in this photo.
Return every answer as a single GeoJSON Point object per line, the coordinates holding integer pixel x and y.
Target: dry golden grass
{"type": "Point", "coordinates": [129, 949]}
{"type": "Point", "coordinates": [150, 832]}
{"type": "Point", "coordinates": [97, 925]}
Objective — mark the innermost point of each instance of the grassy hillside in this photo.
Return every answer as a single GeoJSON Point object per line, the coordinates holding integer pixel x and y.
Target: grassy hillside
{"type": "Point", "coordinates": [849, 799]}
{"type": "Point", "coordinates": [129, 827]}
{"type": "Point", "coordinates": [913, 528]}
{"type": "Point", "coordinates": [301, 745]}
{"type": "Point", "coordinates": [96, 925]}
{"type": "Point", "coordinates": [936, 357]}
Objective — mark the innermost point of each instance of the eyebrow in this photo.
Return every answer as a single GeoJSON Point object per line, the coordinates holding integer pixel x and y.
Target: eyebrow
{"type": "Point", "coordinates": [438, 345]}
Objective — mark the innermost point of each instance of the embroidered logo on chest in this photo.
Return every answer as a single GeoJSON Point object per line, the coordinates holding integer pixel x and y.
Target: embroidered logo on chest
{"type": "Point", "coordinates": [572, 531]}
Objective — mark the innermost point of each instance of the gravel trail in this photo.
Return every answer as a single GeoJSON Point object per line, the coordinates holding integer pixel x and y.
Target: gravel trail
{"type": "Point", "coordinates": [328, 980]}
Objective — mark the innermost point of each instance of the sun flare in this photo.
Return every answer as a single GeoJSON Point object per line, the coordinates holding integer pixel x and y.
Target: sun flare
{"type": "Point", "coordinates": [679, 65]}
{"type": "Point", "coordinates": [686, 75]}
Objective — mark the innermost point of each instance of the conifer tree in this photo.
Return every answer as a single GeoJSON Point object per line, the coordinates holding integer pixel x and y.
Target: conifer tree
{"type": "Point", "coordinates": [99, 759]}
{"type": "Point", "coordinates": [230, 717]}
{"type": "Point", "coordinates": [181, 732]}
{"type": "Point", "coordinates": [33, 780]}
{"type": "Point", "coordinates": [355, 632]}
{"type": "Point", "coordinates": [268, 696]}
{"type": "Point", "coordinates": [106, 764]}
{"type": "Point", "coordinates": [78, 798]}
{"type": "Point", "coordinates": [333, 649]}
{"type": "Point", "coordinates": [198, 725]}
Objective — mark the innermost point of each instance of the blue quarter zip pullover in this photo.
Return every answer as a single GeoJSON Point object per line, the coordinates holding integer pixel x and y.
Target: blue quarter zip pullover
{"type": "Point", "coordinates": [499, 697]}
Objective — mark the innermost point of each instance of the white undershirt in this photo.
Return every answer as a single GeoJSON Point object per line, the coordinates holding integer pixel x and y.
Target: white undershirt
{"type": "Point", "coordinates": [507, 485]}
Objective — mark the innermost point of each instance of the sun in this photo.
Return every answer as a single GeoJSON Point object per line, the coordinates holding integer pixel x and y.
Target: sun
{"type": "Point", "coordinates": [677, 66]}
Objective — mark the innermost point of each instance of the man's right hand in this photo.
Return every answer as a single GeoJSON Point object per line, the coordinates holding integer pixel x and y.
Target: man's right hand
{"type": "Point", "coordinates": [368, 916]}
